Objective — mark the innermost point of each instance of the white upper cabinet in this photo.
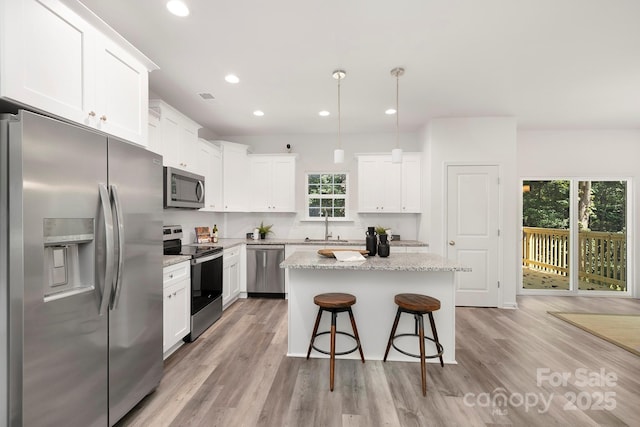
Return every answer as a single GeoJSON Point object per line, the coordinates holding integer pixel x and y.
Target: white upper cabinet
{"type": "Point", "coordinates": [211, 158]}
{"type": "Point", "coordinates": [154, 138]}
{"type": "Point", "coordinates": [411, 183]}
{"type": "Point", "coordinates": [57, 62]}
{"type": "Point", "coordinates": [122, 93]}
{"type": "Point", "coordinates": [272, 183]}
{"type": "Point", "coordinates": [386, 187]}
{"type": "Point", "coordinates": [379, 182]}
{"type": "Point", "coordinates": [235, 169]}
{"type": "Point", "coordinates": [178, 142]}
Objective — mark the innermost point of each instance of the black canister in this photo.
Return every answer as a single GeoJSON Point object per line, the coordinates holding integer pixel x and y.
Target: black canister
{"type": "Point", "coordinates": [371, 241]}
{"type": "Point", "coordinates": [383, 246]}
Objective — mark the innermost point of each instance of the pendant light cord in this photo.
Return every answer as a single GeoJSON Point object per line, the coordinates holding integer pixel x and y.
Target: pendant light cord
{"type": "Point", "coordinates": [339, 116]}
{"type": "Point", "coordinates": [397, 110]}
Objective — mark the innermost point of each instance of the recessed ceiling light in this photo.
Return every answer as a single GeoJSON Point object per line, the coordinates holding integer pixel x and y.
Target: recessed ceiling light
{"type": "Point", "coordinates": [324, 113]}
{"type": "Point", "coordinates": [232, 78]}
{"type": "Point", "coordinates": [390, 111]}
{"type": "Point", "coordinates": [258, 113]}
{"type": "Point", "coordinates": [178, 8]}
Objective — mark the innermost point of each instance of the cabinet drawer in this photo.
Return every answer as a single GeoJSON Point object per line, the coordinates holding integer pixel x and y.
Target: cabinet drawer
{"type": "Point", "coordinates": [231, 253]}
{"type": "Point", "coordinates": [176, 273]}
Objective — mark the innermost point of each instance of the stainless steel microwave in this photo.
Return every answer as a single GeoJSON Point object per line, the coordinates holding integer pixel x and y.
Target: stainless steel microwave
{"type": "Point", "coordinates": [183, 189]}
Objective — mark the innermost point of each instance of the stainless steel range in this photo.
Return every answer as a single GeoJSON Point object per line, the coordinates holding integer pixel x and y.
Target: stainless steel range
{"type": "Point", "coordinates": [206, 279]}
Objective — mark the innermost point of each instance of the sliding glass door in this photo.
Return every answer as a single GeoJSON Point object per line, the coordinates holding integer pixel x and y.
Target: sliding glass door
{"type": "Point", "coordinates": [545, 235]}
{"type": "Point", "coordinates": [602, 235]}
{"type": "Point", "coordinates": [564, 217]}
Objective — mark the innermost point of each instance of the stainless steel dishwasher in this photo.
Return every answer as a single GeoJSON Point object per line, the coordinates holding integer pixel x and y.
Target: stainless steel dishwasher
{"type": "Point", "coordinates": [265, 278]}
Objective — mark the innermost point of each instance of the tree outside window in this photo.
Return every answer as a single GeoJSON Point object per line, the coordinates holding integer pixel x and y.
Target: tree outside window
{"type": "Point", "coordinates": [327, 195]}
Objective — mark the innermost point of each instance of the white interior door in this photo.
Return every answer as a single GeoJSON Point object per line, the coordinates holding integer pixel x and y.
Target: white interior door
{"type": "Point", "coordinates": [472, 232]}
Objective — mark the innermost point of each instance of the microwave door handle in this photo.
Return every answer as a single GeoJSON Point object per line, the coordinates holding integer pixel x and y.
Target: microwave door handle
{"type": "Point", "coordinates": [110, 249]}
{"type": "Point", "coordinates": [120, 234]}
{"type": "Point", "coordinates": [200, 191]}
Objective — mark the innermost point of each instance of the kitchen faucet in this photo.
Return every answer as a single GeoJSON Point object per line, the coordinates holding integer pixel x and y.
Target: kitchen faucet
{"type": "Point", "coordinates": [326, 225]}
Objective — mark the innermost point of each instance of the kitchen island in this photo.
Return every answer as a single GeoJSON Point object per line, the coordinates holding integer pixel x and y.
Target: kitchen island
{"type": "Point", "coordinates": [374, 281]}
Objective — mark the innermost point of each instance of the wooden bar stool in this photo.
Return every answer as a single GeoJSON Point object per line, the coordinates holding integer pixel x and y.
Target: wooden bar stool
{"type": "Point", "coordinates": [335, 303]}
{"type": "Point", "coordinates": [417, 305]}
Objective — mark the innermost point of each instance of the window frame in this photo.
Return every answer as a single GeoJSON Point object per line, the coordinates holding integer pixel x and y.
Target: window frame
{"type": "Point", "coordinates": [574, 236]}
{"type": "Point", "coordinates": [346, 197]}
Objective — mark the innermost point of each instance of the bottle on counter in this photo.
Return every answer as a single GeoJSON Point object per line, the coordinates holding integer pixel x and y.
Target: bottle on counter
{"type": "Point", "coordinates": [371, 241]}
{"type": "Point", "coordinates": [214, 233]}
{"type": "Point", "coordinates": [383, 246]}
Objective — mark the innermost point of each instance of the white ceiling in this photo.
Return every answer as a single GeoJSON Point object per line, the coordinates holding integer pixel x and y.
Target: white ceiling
{"type": "Point", "coordinates": [549, 63]}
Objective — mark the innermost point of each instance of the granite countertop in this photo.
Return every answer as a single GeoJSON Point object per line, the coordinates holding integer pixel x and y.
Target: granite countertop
{"type": "Point", "coordinates": [168, 260]}
{"type": "Point", "coordinates": [395, 262]}
{"type": "Point", "coordinates": [227, 243]}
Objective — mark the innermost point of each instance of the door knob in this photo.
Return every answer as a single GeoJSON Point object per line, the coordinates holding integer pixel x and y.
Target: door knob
{"type": "Point", "coordinates": [452, 243]}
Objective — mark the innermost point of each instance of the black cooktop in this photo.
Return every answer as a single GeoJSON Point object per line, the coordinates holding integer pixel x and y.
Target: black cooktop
{"type": "Point", "coordinates": [173, 247]}
{"type": "Point", "coordinates": [200, 250]}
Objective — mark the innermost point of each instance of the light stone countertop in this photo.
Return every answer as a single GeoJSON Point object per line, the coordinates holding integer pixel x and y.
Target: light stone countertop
{"type": "Point", "coordinates": [228, 243]}
{"type": "Point", "coordinates": [168, 260]}
{"type": "Point", "coordinates": [394, 262]}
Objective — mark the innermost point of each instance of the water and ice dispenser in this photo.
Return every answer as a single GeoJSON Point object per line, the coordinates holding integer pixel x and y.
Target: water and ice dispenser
{"type": "Point", "coordinates": [69, 260]}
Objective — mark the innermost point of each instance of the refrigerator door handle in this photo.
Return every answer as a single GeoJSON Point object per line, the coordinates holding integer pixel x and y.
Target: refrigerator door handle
{"type": "Point", "coordinates": [108, 229]}
{"type": "Point", "coordinates": [120, 234]}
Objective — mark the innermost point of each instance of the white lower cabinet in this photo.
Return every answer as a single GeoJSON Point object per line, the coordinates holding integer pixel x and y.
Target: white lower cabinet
{"type": "Point", "coordinates": [231, 275]}
{"type": "Point", "coordinates": [176, 317]}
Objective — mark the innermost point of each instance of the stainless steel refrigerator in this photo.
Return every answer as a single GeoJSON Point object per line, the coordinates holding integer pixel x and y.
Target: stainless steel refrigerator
{"type": "Point", "coordinates": [81, 274]}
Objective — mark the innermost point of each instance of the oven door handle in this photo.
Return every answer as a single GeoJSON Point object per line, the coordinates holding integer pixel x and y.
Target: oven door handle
{"type": "Point", "coordinates": [200, 260]}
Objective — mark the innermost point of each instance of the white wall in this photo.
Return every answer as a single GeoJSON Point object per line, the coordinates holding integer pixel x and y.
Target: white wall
{"type": "Point", "coordinates": [585, 154]}
{"type": "Point", "coordinates": [315, 153]}
{"type": "Point", "coordinates": [490, 140]}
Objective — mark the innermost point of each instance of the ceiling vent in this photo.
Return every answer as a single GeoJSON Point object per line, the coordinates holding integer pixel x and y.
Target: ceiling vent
{"type": "Point", "coordinates": [207, 96]}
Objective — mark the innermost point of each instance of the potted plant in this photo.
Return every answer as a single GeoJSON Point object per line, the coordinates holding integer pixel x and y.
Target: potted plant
{"type": "Point", "coordinates": [264, 230]}
{"type": "Point", "coordinates": [380, 230]}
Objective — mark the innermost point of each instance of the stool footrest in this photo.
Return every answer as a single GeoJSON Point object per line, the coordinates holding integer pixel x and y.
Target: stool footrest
{"type": "Point", "coordinates": [336, 353]}
{"type": "Point", "coordinates": [438, 346]}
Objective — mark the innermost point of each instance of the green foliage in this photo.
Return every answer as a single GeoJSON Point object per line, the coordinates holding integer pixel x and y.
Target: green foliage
{"type": "Point", "coordinates": [264, 229]}
{"type": "Point", "coordinates": [609, 209]}
{"type": "Point", "coordinates": [381, 230]}
{"type": "Point", "coordinates": [546, 204]}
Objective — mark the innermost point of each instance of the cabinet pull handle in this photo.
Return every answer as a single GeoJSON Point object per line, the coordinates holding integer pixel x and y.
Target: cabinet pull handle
{"type": "Point", "coordinates": [92, 113]}
{"type": "Point", "coordinates": [103, 118]}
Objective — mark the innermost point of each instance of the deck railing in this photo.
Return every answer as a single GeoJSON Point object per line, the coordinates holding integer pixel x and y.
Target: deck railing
{"type": "Point", "coordinates": [602, 256]}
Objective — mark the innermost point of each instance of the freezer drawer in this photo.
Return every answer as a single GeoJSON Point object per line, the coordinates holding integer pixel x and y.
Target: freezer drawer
{"type": "Point", "coordinates": [265, 278]}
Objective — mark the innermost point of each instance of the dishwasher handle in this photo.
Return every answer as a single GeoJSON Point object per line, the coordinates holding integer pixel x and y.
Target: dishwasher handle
{"type": "Point", "coordinates": [265, 247]}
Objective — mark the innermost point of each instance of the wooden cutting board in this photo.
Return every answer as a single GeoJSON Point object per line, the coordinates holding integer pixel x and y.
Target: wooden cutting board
{"type": "Point", "coordinates": [329, 252]}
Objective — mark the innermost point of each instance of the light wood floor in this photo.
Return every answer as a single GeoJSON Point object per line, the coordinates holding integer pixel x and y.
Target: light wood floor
{"type": "Point", "coordinates": [237, 374]}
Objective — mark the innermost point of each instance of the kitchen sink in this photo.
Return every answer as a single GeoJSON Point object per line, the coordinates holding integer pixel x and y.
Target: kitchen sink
{"type": "Point", "coordinates": [308, 240]}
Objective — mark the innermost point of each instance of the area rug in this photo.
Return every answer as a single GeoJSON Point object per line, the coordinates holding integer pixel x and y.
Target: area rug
{"type": "Point", "coordinates": [622, 330]}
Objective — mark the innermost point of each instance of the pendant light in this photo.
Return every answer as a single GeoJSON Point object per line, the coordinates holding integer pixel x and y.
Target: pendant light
{"type": "Point", "coordinates": [338, 153]}
{"type": "Point", "coordinates": [396, 153]}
